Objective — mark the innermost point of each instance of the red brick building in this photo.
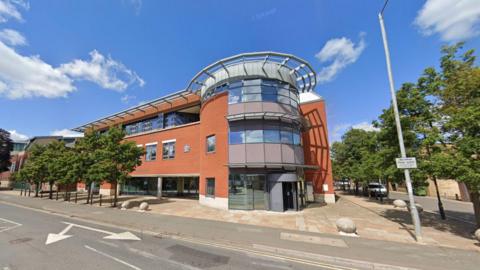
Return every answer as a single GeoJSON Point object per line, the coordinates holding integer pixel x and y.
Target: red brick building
{"type": "Point", "coordinates": [248, 133]}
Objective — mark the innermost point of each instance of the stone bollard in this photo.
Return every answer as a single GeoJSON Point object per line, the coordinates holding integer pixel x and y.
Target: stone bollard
{"type": "Point", "coordinates": [477, 234]}
{"type": "Point", "coordinates": [399, 204]}
{"type": "Point", "coordinates": [418, 206]}
{"type": "Point", "coordinates": [143, 207]}
{"type": "Point", "coordinates": [126, 205]}
{"type": "Point", "coordinates": [346, 226]}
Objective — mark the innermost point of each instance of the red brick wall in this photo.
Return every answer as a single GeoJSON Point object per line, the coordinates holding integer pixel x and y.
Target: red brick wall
{"type": "Point", "coordinates": [213, 121]}
{"type": "Point", "coordinates": [183, 163]}
{"type": "Point", "coordinates": [316, 148]}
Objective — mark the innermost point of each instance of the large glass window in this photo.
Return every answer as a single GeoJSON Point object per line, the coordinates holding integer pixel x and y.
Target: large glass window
{"type": "Point", "coordinates": [210, 188]}
{"type": "Point", "coordinates": [247, 191]}
{"type": "Point", "coordinates": [254, 136]}
{"type": "Point", "coordinates": [211, 141]}
{"type": "Point", "coordinates": [262, 90]}
{"type": "Point", "coordinates": [168, 150]}
{"type": "Point", "coordinates": [163, 120]}
{"type": "Point", "coordinates": [271, 136]}
{"type": "Point", "coordinates": [236, 136]}
{"type": "Point", "coordinates": [151, 152]}
{"type": "Point", "coordinates": [286, 136]}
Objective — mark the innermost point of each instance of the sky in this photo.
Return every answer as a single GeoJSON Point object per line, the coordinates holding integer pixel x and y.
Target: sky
{"type": "Point", "coordinates": [65, 63]}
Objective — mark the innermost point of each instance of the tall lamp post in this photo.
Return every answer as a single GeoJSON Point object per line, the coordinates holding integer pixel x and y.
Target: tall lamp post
{"type": "Point", "coordinates": [413, 208]}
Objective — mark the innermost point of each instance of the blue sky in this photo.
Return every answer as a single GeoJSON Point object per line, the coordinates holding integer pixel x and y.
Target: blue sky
{"type": "Point", "coordinates": [64, 63]}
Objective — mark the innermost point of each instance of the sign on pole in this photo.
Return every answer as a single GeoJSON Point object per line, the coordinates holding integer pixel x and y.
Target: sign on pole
{"type": "Point", "coordinates": [406, 163]}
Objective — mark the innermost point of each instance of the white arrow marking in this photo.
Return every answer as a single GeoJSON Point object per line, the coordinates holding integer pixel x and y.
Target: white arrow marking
{"type": "Point", "coordinates": [54, 237]}
{"type": "Point", "coordinates": [122, 236]}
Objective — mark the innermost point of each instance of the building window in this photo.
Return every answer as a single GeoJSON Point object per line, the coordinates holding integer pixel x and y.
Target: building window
{"type": "Point", "coordinates": [151, 152]}
{"type": "Point", "coordinates": [210, 189]}
{"type": "Point", "coordinates": [262, 90]}
{"type": "Point", "coordinates": [211, 141]}
{"type": "Point", "coordinates": [285, 135]}
{"type": "Point", "coordinates": [168, 150]}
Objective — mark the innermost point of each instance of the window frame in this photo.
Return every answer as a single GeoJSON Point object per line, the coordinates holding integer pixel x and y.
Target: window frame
{"type": "Point", "coordinates": [147, 146]}
{"type": "Point", "coordinates": [168, 143]}
{"type": "Point", "coordinates": [207, 146]}
{"type": "Point", "coordinates": [207, 193]}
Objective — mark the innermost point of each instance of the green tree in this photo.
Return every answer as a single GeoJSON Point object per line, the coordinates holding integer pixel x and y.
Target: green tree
{"type": "Point", "coordinates": [458, 91]}
{"type": "Point", "coordinates": [118, 157]}
{"type": "Point", "coordinates": [35, 169]}
{"type": "Point", "coordinates": [108, 157]}
{"type": "Point", "coordinates": [6, 146]}
{"type": "Point", "coordinates": [355, 157]}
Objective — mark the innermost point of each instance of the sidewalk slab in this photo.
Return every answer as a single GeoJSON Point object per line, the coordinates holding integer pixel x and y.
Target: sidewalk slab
{"type": "Point", "coordinates": [381, 252]}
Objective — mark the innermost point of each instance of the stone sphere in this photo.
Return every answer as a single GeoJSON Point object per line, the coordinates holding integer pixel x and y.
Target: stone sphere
{"type": "Point", "coordinates": [126, 204]}
{"type": "Point", "coordinates": [477, 234]}
{"type": "Point", "coordinates": [346, 225]}
{"type": "Point", "coordinates": [399, 204]}
{"type": "Point", "coordinates": [144, 206]}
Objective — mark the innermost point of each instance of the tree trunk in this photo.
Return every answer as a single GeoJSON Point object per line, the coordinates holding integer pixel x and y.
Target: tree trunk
{"type": "Point", "coordinates": [89, 190]}
{"type": "Point", "coordinates": [37, 189]}
{"type": "Point", "coordinates": [356, 187]}
{"type": "Point", "coordinates": [50, 196]}
{"type": "Point", "coordinates": [115, 196]}
{"type": "Point", "coordinates": [439, 199]}
{"type": "Point", "coordinates": [475, 197]}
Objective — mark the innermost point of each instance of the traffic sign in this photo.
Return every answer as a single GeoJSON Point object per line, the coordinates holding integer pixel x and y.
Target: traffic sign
{"type": "Point", "coordinates": [406, 163]}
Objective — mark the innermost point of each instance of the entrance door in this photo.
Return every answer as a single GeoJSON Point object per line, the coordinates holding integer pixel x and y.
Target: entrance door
{"type": "Point", "coordinates": [288, 195]}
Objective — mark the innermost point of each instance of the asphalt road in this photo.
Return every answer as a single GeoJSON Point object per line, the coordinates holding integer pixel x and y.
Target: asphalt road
{"type": "Point", "coordinates": [23, 236]}
{"type": "Point", "coordinates": [453, 209]}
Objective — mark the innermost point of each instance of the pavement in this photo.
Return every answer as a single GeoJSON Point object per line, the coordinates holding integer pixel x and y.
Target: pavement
{"type": "Point", "coordinates": [457, 210]}
{"type": "Point", "coordinates": [272, 245]}
{"type": "Point", "coordinates": [24, 241]}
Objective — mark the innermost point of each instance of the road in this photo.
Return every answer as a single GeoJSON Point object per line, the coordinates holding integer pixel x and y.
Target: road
{"type": "Point", "coordinates": [23, 237]}
{"type": "Point", "coordinates": [454, 209]}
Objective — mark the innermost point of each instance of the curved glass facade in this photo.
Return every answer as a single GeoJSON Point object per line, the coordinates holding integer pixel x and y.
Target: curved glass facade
{"type": "Point", "coordinates": [251, 90]}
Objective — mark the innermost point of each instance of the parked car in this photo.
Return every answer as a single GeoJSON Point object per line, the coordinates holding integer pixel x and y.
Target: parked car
{"type": "Point", "coordinates": [377, 190]}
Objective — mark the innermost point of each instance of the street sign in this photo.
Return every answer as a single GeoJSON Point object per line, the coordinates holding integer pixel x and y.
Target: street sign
{"type": "Point", "coordinates": [406, 163]}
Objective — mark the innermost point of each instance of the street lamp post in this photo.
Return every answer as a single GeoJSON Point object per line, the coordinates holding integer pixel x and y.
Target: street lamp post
{"type": "Point", "coordinates": [413, 208]}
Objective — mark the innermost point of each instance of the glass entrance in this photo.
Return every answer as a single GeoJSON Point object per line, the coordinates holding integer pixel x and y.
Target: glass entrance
{"type": "Point", "coordinates": [247, 192]}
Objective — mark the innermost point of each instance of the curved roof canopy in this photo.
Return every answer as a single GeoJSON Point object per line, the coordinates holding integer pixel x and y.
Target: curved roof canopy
{"type": "Point", "coordinates": [257, 64]}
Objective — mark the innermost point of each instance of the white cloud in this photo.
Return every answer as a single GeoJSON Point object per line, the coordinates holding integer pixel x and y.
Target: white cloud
{"type": "Point", "coordinates": [137, 6]}
{"type": "Point", "coordinates": [339, 130]}
{"type": "Point", "coordinates": [103, 71]}
{"type": "Point", "coordinates": [16, 136]}
{"type": "Point", "coordinates": [454, 20]}
{"type": "Point", "coordinates": [29, 76]}
{"type": "Point", "coordinates": [365, 126]}
{"type": "Point", "coordinates": [340, 52]}
{"type": "Point", "coordinates": [127, 98]}
{"type": "Point", "coordinates": [9, 9]}
{"type": "Point", "coordinates": [12, 37]}
{"type": "Point", "coordinates": [66, 133]}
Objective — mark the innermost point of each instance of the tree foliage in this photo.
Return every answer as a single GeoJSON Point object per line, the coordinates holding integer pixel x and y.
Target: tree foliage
{"type": "Point", "coordinates": [440, 118]}
{"type": "Point", "coordinates": [6, 146]}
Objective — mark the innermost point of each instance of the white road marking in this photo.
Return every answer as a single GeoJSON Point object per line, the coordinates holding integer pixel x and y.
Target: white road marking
{"type": "Point", "coordinates": [143, 253]}
{"type": "Point", "coordinates": [108, 243]}
{"type": "Point", "coordinates": [313, 239]}
{"type": "Point", "coordinates": [271, 265]}
{"type": "Point", "coordinates": [55, 237]}
{"type": "Point", "coordinates": [6, 228]}
{"type": "Point", "coordinates": [112, 257]}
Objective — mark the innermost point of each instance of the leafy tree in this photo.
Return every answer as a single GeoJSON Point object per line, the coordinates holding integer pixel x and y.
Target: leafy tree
{"type": "Point", "coordinates": [107, 157]}
{"type": "Point", "coordinates": [356, 158]}
{"type": "Point", "coordinates": [118, 158]}
{"type": "Point", "coordinates": [6, 146]}
{"type": "Point", "coordinates": [35, 169]}
{"type": "Point", "coordinates": [457, 87]}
